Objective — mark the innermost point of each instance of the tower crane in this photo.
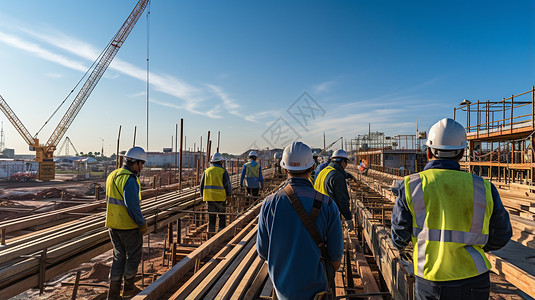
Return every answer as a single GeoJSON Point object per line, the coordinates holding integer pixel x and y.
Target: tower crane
{"type": "Point", "coordinates": [44, 153]}
{"type": "Point", "coordinates": [330, 145]}
{"type": "Point", "coordinates": [65, 144]}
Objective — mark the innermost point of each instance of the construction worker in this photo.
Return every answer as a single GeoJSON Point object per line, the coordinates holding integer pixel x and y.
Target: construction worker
{"type": "Point", "coordinates": [331, 181]}
{"type": "Point", "coordinates": [315, 155]}
{"type": "Point", "coordinates": [252, 173]}
{"type": "Point", "coordinates": [276, 163]}
{"type": "Point", "coordinates": [215, 188]}
{"type": "Point", "coordinates": [299, 262]}
{"type": "Point", "coordinates": [125, 222]}
{"type": "Point", "coordinates": [452, 217]}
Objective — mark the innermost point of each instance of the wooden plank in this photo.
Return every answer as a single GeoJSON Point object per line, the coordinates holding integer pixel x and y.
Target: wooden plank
{"type": "Point", "coordinates": [235, 255]}
{"type": "Point", "coordinates": [230, 279]}
{"type": "Point", "coordinates": [198, 277]}
{"type": "Point", "coordinates": [167, 280]}
{"type": "Point", "coordinates": [339, 288]}
{"type": "Point", "coordinates": [256, 286]}
{"type": "Point", "coordinates": [368, 280]}
{"type": "Point", "coordinates": [243, 286]}
{"type": "Point", "coordinates": [51, 272]}
{"type": "Point", "coordinates": [518, 277]}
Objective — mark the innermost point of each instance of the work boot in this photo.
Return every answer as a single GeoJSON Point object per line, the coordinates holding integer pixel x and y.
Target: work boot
{"type": "Point", "coordinates": [130, 289]}
{"type": "Point", "coordinates": [115, 290]}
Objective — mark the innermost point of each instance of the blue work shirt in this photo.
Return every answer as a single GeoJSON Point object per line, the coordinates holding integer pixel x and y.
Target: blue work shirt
{"type": "Point", "coordinates": [292, 255]}
{"type": "Point", "coordinates": [500, 230]}
{"type": "Point", "coordinates": [321, 167]}
{"type": "Point", "coordinates": [131, 199]}
{"type": "Point", "coordinates": [252, 182]}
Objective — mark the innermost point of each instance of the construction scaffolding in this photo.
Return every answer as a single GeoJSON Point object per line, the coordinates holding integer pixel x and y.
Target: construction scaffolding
{"type": "Point", "coordinates": [500, 137]}
{"type": "Point", "coordinates": [398, 154]}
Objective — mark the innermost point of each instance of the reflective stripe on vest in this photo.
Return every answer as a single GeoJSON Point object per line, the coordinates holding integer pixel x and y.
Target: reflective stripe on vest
{"type": "Point", "coordinates": [319, 184]}
{"type": "Point", "coordinates": [450, 231]}
{"type": "Point", "coordinates": [213, 184]}
{"type": "Point", "coordinates": [251, 171]}
{"type": "Point", "coordinates": [117, 216]}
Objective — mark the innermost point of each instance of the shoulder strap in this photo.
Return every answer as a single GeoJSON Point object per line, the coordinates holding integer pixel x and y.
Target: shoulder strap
{"type": "Point", "coordinates": [306, 219]}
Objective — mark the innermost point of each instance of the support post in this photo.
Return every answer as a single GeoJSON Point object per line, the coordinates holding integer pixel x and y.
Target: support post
{"type": "Point", "coordinates": [76, 284]}
{"type": "Point", "coordinates": [42, 270]}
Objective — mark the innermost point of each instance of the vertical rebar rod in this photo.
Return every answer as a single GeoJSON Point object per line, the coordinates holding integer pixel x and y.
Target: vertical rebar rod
{"type": "Point", "coordinates": [180, 158]}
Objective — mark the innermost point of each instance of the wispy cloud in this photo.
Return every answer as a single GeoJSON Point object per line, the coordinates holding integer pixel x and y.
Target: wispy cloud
{"type": "Point", "coordinates": [325, 86]}
{"type": "Point", "coordinates": [194, 98]}
{"type": "Point", "coordinates": [38, 51]}
{"type": "Point", "coordinates": [53, 75]}
{"type": "Point", "coordinates": [230, 105]}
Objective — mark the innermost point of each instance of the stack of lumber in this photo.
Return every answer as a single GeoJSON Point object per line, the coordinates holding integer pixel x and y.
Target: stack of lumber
{"type": "Point", "coordinates": [236, 256]}
{"type": "Point", "coordinates": [29, 260]}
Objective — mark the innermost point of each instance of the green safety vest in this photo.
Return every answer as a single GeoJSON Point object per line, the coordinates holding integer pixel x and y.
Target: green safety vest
{"type": "Point", "coordinates": [251, 171]}
{"type": "Point", "coordinates": [117, 216]}
{"type": "Point", "coordinates": [451, 213]}
{"type": "Point", "coordinates": [319, 184]}
{"type": "Point", "coordinates": [213, 184]}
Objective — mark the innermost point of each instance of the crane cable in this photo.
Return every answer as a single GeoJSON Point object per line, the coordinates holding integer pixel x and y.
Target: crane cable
{"type": "Point", "coordinates": [148, 36]}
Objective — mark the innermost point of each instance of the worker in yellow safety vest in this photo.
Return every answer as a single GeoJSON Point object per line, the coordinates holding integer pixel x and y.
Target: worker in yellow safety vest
{"type": "Point", "coordinates": [215, 188]}
{"type": "Point", "coordinates": [125, 222]}
{"type": "Point", "coordinates": [331, 181]}
{"type": "Point", "coordinates": [452, 218]}
{"type": "Point", "coordinates": [251, 175]}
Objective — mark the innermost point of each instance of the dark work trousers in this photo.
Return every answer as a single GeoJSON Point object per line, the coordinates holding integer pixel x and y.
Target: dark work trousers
{"type": "Point", "coordinates": [127, 245]}
{"type": "Point", "coordinates": [253, 192]}
{"type": "Point", "coordinates": [475, 288]}
{"type": "Point", "coordinates": [216, 207]}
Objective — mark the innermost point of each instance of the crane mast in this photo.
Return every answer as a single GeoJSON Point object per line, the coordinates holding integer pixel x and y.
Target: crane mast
{"type": "Point", "coordinates": [44, 154]}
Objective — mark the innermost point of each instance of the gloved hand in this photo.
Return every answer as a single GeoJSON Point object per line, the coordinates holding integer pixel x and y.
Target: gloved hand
{"type": "Point", "coordinates": [143, 229]}
{"type": "Point", "coordinates": [405, 255]}
{"type": "Point", "coordinates": [349, 225]}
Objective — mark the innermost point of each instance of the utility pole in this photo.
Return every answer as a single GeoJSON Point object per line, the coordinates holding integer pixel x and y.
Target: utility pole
{"type": "Point", "coordinates": [102, 148]}
{"type": "Point", "coordinates": [134, 141]}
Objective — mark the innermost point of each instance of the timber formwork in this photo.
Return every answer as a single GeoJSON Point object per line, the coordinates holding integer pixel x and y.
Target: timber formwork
{"type": "Point", "coordinates": [500, 137]}
{"type": "Point", "coordinates": [29, 260]}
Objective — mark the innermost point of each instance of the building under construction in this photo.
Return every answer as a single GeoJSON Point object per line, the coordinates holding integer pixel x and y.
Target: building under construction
{"type": "Point", "coordinates": [500, 136]}
{"type": "Point", "coordinates": [400, 154]}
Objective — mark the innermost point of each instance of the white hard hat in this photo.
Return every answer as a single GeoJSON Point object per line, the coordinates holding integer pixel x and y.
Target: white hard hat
{"type": "Point", "coordinates": [277, 155]}
{"type": "Point", "coordinates": [447, 134]}
{"type": "Point", "coordinates": [217, 157]}
{"type": "Point", "coordinates": [253, 154]}
{"type": "Point", "coordinates": [136, 153]}
{"type": "Point", "coordinates": [297, 157]}
{"type": "Point", "coordinates": [339, 154]}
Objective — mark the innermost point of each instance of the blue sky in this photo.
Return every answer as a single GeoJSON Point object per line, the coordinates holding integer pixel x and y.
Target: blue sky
{"type": "Point", "coordinates": [245, 68]}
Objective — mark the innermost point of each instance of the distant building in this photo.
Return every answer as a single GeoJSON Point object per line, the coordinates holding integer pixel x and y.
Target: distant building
{"type": "Point", "coordinates": [11, 167]}
{"type": "Point", "coordinates": [170, 159]}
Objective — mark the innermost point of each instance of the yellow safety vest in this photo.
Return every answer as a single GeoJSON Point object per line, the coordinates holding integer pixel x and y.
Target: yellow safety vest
{"type": "Point", "coordinates": [213, 184]}
{"type": "Point", "coordinates": [319, 184]}
{"type": "Point", "coordinates": [251, 171]}
{"type": "Point", "coordinates": [451, 213]}
{"type": "Point", "coordinates": [117, 216]}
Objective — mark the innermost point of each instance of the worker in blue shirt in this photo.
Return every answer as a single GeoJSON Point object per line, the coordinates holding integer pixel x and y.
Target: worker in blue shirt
{"type": "Point", "coordinates": [296, 265]}
{"type": "Point", "coordinates": [331, 181]}
{"type": "Point", "coordinates": [452, 217]}
{"type": "Point", "coordinates": [252, 173]}
{"type": "Point", "coordinates": [125, 222]}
